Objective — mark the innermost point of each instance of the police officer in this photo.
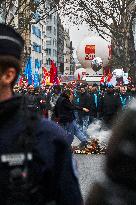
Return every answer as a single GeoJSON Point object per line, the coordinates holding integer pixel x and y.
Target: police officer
{"type": "Point", "coordinates": [40, 146]}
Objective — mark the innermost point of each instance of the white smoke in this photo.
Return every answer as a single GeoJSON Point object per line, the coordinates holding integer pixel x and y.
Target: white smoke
{"type": "Point", "coordinates": [97, 131]}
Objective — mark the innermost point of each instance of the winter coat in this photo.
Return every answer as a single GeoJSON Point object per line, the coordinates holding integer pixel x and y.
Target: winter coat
{"type": "Point", "coordinates": [86, 101]}
{"type": "Point", "coordinates": [109, 104]}
{"type": "Point", "coordinates": [64, 110]}
{"type": "Point", "coordinates": [53, 167]}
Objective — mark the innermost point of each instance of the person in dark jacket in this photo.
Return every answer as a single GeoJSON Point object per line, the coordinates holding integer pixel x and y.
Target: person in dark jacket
{"type": "Point", "coordinates": [109, 106]}
{"type": "Point", "coordinates": [86, 101]}
{"type": "Point", "coordinates": [43, 144]}
{"type": "Point", "coordinates": [51, 100]}
{"type": "Point", "coordinates": [95, 98]}
{"type": "Point", "coordinates": [119, 184]}
{"type": "Point", "coordinates": [33, 100]}
{"type": "Point", "coordinates": [64, 111]}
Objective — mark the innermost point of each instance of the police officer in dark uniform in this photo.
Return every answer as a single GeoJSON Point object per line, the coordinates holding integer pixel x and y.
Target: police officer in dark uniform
{"type": "Point", "coordinates": [36, 165]}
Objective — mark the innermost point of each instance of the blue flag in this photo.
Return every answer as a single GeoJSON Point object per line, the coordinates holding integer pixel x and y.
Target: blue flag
{"type": "Point", "coordinates": [28, 71]}
{"type": "Point", "coordinates": [36, 75]}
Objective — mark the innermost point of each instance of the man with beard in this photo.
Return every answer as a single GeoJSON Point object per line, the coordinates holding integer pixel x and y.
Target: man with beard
{"type": "Point", "coordinates": [109, 106]}
{"type": "Point", "coordinates": [36, 165]}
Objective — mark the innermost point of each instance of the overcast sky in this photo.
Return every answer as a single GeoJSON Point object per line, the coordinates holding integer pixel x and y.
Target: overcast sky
{"type": "Point", "coordinates": [78, 34]}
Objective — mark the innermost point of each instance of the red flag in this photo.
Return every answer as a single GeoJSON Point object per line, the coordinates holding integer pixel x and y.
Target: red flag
{"type": "Point", "coordinates": [45, 74]}
{"type": "Point", "coordinates": [109, 77]}
{"type": "Point", "coordinates": [44, 71]}
{"type": "Point", "coordinates": [20, 83]}
{"type": "Point", "coordinates": [78, 76]}
{"type": "Point", "coordinates": [53, 73]}
{"type": "Point", "coordinates": [102, 79]}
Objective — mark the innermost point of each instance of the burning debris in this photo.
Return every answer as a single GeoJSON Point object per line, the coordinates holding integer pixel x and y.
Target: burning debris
{"type": "Point", "coordinates": [98, 141]}
{"type": "Point", "coordinates": [93, 147]}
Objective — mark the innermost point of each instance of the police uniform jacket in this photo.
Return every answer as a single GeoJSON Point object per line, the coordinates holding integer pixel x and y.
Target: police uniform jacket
{"type": "Point", "coordinates": [55, 165]}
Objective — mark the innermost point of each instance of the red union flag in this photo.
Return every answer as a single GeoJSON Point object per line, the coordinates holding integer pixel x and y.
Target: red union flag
{"type": "Point", "coordinates": [90, 52]}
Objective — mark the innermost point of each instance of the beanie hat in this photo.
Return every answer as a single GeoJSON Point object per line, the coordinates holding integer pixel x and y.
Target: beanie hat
{"type": "Point", "coordinates": [11, 42]}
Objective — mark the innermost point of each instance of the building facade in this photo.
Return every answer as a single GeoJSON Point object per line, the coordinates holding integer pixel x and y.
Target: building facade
{"type": "Point", "coordinates": [51, 37]}
{"type": "Point", "coordinates": [72, 60]}
{"type": "Point", "coordinates": [60, 47]}
{"type": "Point", "coordinates": [67, 53]}
{"type": "Point", "coordinates": [134, 31]}
{"type": "Point", "coordinates": [45, 41]}
{"type": "Point", "coordinates": [38, 46]}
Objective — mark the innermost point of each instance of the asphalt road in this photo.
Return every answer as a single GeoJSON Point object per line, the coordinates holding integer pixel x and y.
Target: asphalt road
{"type": "Point", "coordinates": [90, 170]}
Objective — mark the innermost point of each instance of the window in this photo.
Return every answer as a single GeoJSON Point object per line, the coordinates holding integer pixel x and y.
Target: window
{"type": "Point", "coordinates": [54, 31]}
{"type": "Point", "coordinates": [48, 50]}
{"type": "Point", "coordinates": [48, 42]}
{"type": "Point", "coordinates": [36, 31]}
{"type": "Point", "coordinates": [36, 47]}
{"type": "Point", "coordinates": [48, 61]}
{"type": "Point", "coordinates": [49, 29]}
{"type": "Point", "coordinates": [37, 63]}
{"type": "Point", "coordinates": [36, 16]}
{"type": "Point", "coordinates": [55, 53]}
{"type": "Point", "coordinates": [53, 42]}
{"type": "Point", "coordinates": [54, 20]}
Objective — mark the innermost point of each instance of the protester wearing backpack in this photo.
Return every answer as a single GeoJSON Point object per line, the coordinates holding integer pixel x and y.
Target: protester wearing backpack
{"type": "Point", "coordinates": [36, 165]}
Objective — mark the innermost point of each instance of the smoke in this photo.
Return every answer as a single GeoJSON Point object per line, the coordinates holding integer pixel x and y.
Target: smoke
{"type": "Point", "coordinates": [97, 131]}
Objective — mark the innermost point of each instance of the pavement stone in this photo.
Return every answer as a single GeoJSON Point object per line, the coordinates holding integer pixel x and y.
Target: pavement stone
{"type": "Point", "coordinates": [90, 170]}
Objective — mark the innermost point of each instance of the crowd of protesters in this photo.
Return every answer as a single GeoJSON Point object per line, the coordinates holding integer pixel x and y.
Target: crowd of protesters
{"type": "Point", "coordinates": [76, 105]}
{"type": "Point", "coordinates": [36, 162]}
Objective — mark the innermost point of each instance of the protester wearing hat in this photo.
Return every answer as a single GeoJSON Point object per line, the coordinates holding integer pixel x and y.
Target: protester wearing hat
{"type": "Point", "coordinates": [44, 171]}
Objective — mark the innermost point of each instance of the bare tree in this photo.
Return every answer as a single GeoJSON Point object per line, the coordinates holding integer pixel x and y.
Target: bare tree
{"type": "Point", "coordinates": [37, 10]}
{"type": "Point", "coordinates": [110, 18]}
{"type": "Point", "coordinates": [22, 14]}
